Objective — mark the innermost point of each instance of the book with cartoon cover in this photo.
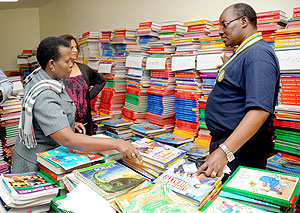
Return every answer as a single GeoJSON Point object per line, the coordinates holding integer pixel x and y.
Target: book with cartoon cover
{"type": "Point", "coordinates": [161, 155]}
{"type": "Point", "coordinates": [284, 164]}
{"type": "Point", "coordinates": [155, 198]}
{"type": "Point", "coordinates": [194, 149]}
{"type": "Point", "coordinates": [181, 178]}
{"type": "Point", "coordinates": [170, 138]}
{"type": "Point", "coordinates": [273, 187]}
{"type": "Point", "coordinates": [147, 128]}
{"type": "Point", "coordinates": [109, 179]}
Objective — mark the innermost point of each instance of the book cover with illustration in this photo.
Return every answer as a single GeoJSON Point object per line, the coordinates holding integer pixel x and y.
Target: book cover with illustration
{"type": "Point", "coordinates": [68, 158]}
{"type": "Point", "coordinates": [116, 122]}
{"type": "Point", "coordinates": [110, 179]}
{"type": "Point", "coordinates": [155, 198]}
{"type": "Point", "coordinates": [194, 149]}
{"type": "Point", "coordinates": [274, 187]}
{"type": "Point", "coordinates": [221, 204]}
{"type": "Point", "coordinates": [146, 128]}
{"type": "Point", "coordinates": [157, 153]}
{"type": "Point", "coordinates": [284, 164]}
{"type": "Point", "coordinates": [29, 185]}
{"type": "Point", "coordinates": [181, 178]}
{"type": "Point", "coordinates": [172, 139]}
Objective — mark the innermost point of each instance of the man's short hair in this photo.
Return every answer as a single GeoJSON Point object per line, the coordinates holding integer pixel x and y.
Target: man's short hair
{"type": "Point", "coordinates": [242, 9]}
{"type": "Point", "coordinates": [49, 49]}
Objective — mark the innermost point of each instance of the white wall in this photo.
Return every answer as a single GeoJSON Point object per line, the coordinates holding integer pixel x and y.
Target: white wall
{"type": "Point", "coordinates": [77, 16]}
{"type": "Point", "coordinates": [20, 29]}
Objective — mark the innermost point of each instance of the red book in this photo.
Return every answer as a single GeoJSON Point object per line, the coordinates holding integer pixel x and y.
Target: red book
{"type": "Point", "coordinates": [106, 34]}
{"type": "Point", "coordinates": [296, 10]}
{"type": "Point", "coordinates": [196, 28]}
{"type": "Point", "coordinates": [296, 15]}
{"type": "Point", "coordinates": [270, 13]}
{"type": "Point", "coordinates": [157, 49]}
{"type": "Point", "coordinates": [269, 18]}
{"type": "Point", "coordinates": [120, 33]}
{"type": "Point", "coordinates": [170, 28]}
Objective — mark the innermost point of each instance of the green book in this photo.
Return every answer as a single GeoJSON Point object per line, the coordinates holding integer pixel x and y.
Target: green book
{"type": "Point", "coordinates": [273, 187]}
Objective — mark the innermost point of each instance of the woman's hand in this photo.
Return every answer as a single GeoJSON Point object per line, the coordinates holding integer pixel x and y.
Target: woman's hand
{"type": "Point", "coordinates": [80, 128]}
{"type": "Point", "coordinates": [128, 150]}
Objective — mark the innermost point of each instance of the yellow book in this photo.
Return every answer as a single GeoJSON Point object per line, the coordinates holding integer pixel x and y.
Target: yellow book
{"type": "Point", "coordinates": [202, 142]}
{"type": "Point", "coordinates": [192, 23]}
{"type": "Point", "coordinates": [183, 133]}
{"type": "Point", "coordinates": [213, 46]}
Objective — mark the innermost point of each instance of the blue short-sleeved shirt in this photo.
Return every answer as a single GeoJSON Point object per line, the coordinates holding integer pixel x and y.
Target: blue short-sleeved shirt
{"type": "Point", "coordinates": [251, 80]}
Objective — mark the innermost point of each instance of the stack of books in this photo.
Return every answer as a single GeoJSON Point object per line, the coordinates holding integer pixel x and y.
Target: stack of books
{"type": "Point", "coordinates": [215, 30]}
{"type": "Point", "coordinates": [148, 32]}
{"type": "Point", "coordinates": [27, 192]}
{"type": "Point", "coordinates": [118, 128]}
{"type": "Point", "coordinates": [157, 157]}
{"type": "Point", "coordinates": [287, 38]}
{"type": "Point", "coordinates": [97, 121]}
{"type": "Point", "coordinates": [295, 21]}
{"type": "Point", "coordinates": [285, 163]}
{"type": "Point", "coordinates": [198, 29]}
{"type": "Point", "coordinates": [270, 21]}
{"type": "Point", "coordinates": [287, 140]}
{"type": "Point", "coordinates": [171, 29]}
{"type": "Point", "coordinates": [124, 36]}
{"type": "Point", "coordinates": [106, 47]}
{"type": "Point", "coordinates": [89, 45]}
{"type": "Point", "coordinates": [146, 130]}
{"type": "Point", "coordinates": [266, 190]}
{"type": "Point", "coordinates": [27, 62]}
{"type": "Point", "coordinates": [194, 150]}
{"type": "Point", "coordinates": [172, 139]}
{"type": "Point", "coordinates": [197, 190]}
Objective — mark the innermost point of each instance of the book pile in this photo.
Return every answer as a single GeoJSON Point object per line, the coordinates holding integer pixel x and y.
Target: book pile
{"type": "Point", "coordinates": [27, 62]}
{"type": "Point", "coordinates": [266, 190]}
{"type": "Point", "coordinates": [195, 189]}
{"type": "Point", "coordinates": [295, 21]}
{"type": "Point", "coordinates": [171, 29]}
{"type": "Point", "coordinates": [269, 22]}
{"type": "Point", "coordinates": [58, 162]}
{"type": "Point", "coordinates": [89, 45]}
{"type": "Point", "coordinates": [194, 151]}
{"type": "Point", "coordinates": [109, 179]}
{"type": "Point", "coordinates": [197, 29]}
{"type": "Point", "coordinates": [106, 47]}
{"type": "Point", "coordinates": [27, 192]}
{"type": "Point", "coordinates": [148, 32]}
{"type": "Point", "coordinates": [157, 157]}
{"type": "Point", "coordinates": [285, 163]}
{"type": "Point", "coordinates": [118, 128]}
{"type": "Point", "coordinates": [124, 36]}
{"type": "Point", "coordinates": [146, 130]}
{"type": "Point", "coordinates": [287, 140]}
{"type": "Point", "coordinates": [172, 139]}
{"type": "Point", "coordinates": [215, 30]}
{"type": "Point", "coordinates": [287, 38]}
{"type": "Point", "coordinates": [97, 121]}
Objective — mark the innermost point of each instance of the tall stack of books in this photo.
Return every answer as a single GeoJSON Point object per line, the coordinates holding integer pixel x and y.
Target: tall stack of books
{"type": "Point", "coordinates": [106, 47]}
{"type": "Point", "coordinates": [27, 62]}
{"type": "Point", "coordinates": [118, 128]}
{"type": "Point", "coordinates": [198, 29]}
{"type": "Point", "coordinates": [269, 22]}
{"type": "Point", "coordinates": [171, 29]}
{"type": "Point", "coordinates": [148, 32]}
{"type": "Point", "coordinates": [89, 45]}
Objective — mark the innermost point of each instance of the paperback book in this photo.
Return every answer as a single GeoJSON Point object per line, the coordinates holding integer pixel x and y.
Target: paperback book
{"type": "Point", "coordinates": [283, 164]}
{"type": "Point", "coordinates": [116, 122]}
{"type": "Point", "coordinates": [170, 138]}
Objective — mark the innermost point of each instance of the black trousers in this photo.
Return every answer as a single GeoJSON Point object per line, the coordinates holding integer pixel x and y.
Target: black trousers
{"type": "Point", "coordinates": [254, 153]}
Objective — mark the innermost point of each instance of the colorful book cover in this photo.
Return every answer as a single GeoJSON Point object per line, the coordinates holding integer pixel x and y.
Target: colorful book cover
{"type": "Point", "coordinates": [110, 179]}
{"type": "Point", "coordinates": [29, 184]}
{"type": "Point", "coordinates": [274, 187]}
{"type": "Point", "coordinates": [157, 153]}
{"type": "Point", "coordinates": [181, 178]}
{"type": "Point", "coordinates": [155, 198]}
{"type": "Point", "coordinates": [221, 204]}
{"type": "Point", "coordinates": [69, 158]}
{"type": "Point", "coordinates": [194, 149]}
{"type": "Point", "coordinates": [146, 128]}
{"type": "Point", "coordinates": [116, 122]}
{"type": "Point", "coordinates": [172, 139]}
{"type": "Point", "coordinates": [285, 165]}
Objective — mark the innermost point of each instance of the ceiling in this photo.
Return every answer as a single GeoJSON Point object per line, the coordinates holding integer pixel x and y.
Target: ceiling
{"type": "Point", "coordinates": [23, 4]}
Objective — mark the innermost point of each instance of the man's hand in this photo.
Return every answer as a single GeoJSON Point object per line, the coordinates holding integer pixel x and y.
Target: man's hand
{"type": "Point", "coordinates": [80, 128]}
{"type": "Point", "coordinates": [214, 164]}
{"type": "Point", "coordinates": [128, 150]}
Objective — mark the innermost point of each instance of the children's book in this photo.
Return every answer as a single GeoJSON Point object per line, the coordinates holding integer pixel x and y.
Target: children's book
{"type": "Point", "coordinates": [273, 187]}
{"type": "Point", "coordinates": [147, 128]}
{"type": "Point", "coordinates": [155, 198]}
{"type": "Point", "coordinates": [194, 149]}
{"type": "Point", "coordinates": [26, 186]}
{"type": "Point", "coordinates": [109, 179]}
{"type": "Point", "coordinates": [62, 159]}
{"type": "Point", "coordinates": [181, 178]}
{"type": "Point", "coordinates": [161, 155]}
{"type": "Point", "coordinates": [222, 204]}
{"type": "Point", "coordinates": [283, 164]}
{"type": "Point", "coordinates": [169, 138]}
{"type": "Point", "coordinates": [116, 122]}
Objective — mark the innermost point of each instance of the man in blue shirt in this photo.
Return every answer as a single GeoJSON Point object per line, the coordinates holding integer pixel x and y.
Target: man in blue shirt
{"type": "Point", "coordinates": [240, 108]}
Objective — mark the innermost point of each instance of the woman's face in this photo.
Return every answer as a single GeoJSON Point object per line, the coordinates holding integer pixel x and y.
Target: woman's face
{"type": "Point", "coordinates": [63, 65]}
{"type": "Point", "coordinates": [74, 50]}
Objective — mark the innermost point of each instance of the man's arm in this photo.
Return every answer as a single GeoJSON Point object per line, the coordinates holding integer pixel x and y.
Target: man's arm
{"type": "Point", "coordinates": [249, 125]}
{"type": "Point", "coordinates": [6, 87]}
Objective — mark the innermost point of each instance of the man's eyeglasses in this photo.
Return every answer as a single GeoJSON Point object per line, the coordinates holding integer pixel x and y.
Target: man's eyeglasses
{"type": "Point", "coordinates": [226, 23]}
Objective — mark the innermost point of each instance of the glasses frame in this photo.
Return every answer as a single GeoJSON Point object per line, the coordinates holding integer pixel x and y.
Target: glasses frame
{"type": "Point", "coordinates": [225, 24]}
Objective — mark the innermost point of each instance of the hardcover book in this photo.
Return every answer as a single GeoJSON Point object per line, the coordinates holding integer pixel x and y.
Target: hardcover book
{"type": "Point", "coordinates": [109, 179]}
{"type": "Point", "coordinates": [273, 187]}
{"type": "Point", "coordinates": [172, 139]}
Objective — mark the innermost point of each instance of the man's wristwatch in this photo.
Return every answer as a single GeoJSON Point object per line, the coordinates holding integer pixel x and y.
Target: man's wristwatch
{"type": "Point", "coordinates": [229, 154]}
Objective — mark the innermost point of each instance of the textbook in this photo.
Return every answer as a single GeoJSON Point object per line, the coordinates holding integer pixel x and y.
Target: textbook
{"type": "Point", "coordinates": [273, 187]}
{"type": "Point", "coordinates": [62, 159]}
{"type": "Point", "coordinates": [147, 128]}
{"type": "Point", "coordinates": [158, 154]}
{"type": "Point", "coordinates": [284, 164]}
{"type": "Point", "coordinates": [155, 198]}
{"type": "Point", "coordinates": [180, 177]}
{"type": "Point", "coordinates": [170, 138]}
{"type": "Point", "coordinates": [109, 179]}
{"type": "Point", "coordinates": [195, 149]}
{"type": "Point", "coordinates": [116, 122]}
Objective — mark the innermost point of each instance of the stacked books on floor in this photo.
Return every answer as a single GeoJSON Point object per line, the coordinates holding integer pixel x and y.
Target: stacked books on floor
{"type": "Point", "coordinates": [118, 128]}
{"type": "Point", "coordinates": [27, 192]}
{"type": "Point", "coordinates": [146, 130]}
{"type": "Point", "coordinates": [195, 189]}
{"type": "Point", "coordinates": [262, 189]}
{"type": "Point", "coordinates": [157, 157]}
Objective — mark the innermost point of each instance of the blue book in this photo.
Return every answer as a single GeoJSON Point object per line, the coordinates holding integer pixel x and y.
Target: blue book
{"type": "Point", "coordinates": [194, 149]}
{"type": "Point", "coordinates": [116, 122]}
{"type": "Point", "coordinates": [281, 164]}
{"type": "Point", "coordinates": [169, 138]}
{"type": "Point", "coordinates": [147, 128]}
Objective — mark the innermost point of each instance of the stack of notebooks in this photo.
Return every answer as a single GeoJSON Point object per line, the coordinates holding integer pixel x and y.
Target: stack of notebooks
{"type": "Point", "coordinates": [262, 190]}
{"type": "Point", "coordinates": [118, 128]}
{"type": "Point", "coordinates": [148, 32]}
{"type": "Point", "coordinates": [197, 190]}
{"type": "Point", "coordinates": [287, 140]}
{"type": "Point", "coordinates": [146, 130]}
{"type": "Point", "coordinates": [27, 192]}
{"type": "Point", "coordinates": [157, 157]}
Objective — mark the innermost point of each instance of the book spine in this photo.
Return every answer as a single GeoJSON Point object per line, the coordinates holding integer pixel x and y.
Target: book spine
{"type": "Point", "coordinates": [269, 18]}
{"type": "Point", "coordinates": [296, 15]}
{"type": "Point", "coordinates": [296, 10]}
{"type": "Point", "coordinates": [269, 13]}
{"type": "Point", "coordinates": [196, 28]}
{"type": "Point", "coordinates": [145, 25]}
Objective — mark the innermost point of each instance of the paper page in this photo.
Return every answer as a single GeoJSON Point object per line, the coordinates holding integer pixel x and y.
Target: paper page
{"type": "Point", "coordinates": [134, 61]}
{"type": "Point", "coordinates": [155, 63]}
{"type": "Point", "coordinates": [209, 61]}
{"type": "Point", "coordinates": [289, 59]}
{"type": "Point", "coordinates": [104, 68]}
{"type": "Point", "coordinates": [183, 63]}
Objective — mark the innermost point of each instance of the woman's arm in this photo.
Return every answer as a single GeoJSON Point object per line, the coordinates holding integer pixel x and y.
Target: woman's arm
{"type": "Point", "coordinates": [96, 82]}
